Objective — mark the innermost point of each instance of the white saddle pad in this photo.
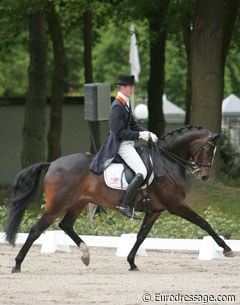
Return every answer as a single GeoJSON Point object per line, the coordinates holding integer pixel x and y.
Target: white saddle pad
{"type": "Point", "coordinates": [115, 178]}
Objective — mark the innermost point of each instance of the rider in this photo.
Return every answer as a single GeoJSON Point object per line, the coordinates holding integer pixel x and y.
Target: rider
{"type": "Point", "coordinates": [123, 132]}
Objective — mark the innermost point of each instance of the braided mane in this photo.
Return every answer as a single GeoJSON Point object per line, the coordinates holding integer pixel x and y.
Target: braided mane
{"type": "Point", "coordinates": [180, 130]}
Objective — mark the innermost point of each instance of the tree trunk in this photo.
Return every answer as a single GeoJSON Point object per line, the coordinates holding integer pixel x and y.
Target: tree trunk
{"type": "Point", "coordinates": [34, 122]}
{"type": "Point", "coordinates": [156, 79]}
{"type": "Point", "coordinates": [211, 38]}
{"type": "Point", "coordinates": [57, 95]}
{"type": "Point", "coordinates": [206, 64]}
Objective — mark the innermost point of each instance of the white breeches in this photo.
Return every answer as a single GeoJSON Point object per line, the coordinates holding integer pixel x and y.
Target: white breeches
{"type": "Point", "coordinates": [128, 153]}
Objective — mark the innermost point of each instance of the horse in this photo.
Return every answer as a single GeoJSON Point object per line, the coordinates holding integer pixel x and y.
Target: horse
{"type": "Point", "coordinates": [70, 185]}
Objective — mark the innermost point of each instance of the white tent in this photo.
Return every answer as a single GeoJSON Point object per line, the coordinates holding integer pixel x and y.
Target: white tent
{"type": "Point", "coordinates": [172, 113]}
{"type": "Point", "coordinates": [231, 118]}
{"type": "Point", "coordinates": [231, 106]}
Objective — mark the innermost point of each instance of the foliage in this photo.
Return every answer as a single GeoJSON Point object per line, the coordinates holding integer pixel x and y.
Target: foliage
{"type": "Point", "coordinates": [111, 54]}
{"type": "Point", "coordinates": [231, 83]}
{"type": "Point", "coordinates": [215, 202]}
{"type": "Point", "coordinates": [13, 72]}
{"type": "Point", "coordinates": [231, 71]}
{"type": "Point", "coordinates": [176, 70]}
{"type": "Point", "coordinates": [111, 41]}
{"type": "Point", "coordinates": [114, 224]}
{"type": "Point", "coordinates": [230, 158]}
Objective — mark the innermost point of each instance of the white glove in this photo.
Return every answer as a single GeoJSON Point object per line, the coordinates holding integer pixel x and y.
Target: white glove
{"type": "Point", "coordinates": [144, 135]}
{"type": "Point", "coordinates": [153, 137]}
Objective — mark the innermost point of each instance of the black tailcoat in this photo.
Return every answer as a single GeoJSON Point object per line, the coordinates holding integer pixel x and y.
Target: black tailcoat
{"type": "Point", "coordinates": [122, 128]}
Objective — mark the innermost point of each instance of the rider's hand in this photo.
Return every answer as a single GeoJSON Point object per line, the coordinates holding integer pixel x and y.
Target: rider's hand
{"type": "Point", "coordinates": [144, 135]}
{"type": "Point", "coordinates": [153, 137]}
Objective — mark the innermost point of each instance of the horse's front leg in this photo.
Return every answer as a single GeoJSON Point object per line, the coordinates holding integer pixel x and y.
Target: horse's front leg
{"type": "Point", "coordinates": [146, 226]}
{"type": "Point", "coordinates": [187, 213]}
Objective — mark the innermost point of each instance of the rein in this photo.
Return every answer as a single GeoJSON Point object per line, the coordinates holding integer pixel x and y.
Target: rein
{"type": "Point", "coordinates": [194, 168]}
{"type": "Point", "coordinates": [191, 166]}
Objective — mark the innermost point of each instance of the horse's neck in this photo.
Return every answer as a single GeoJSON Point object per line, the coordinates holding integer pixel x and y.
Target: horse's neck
{"type": "Point", "coordinates": [180, 144]}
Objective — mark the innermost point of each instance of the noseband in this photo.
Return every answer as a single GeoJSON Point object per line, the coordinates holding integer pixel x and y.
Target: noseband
{"type": "Point", "coordinates": [200, 152]}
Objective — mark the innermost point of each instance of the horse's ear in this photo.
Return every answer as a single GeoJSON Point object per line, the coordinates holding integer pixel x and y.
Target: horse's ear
{"type": "Point", "coordinates": [214, 136]}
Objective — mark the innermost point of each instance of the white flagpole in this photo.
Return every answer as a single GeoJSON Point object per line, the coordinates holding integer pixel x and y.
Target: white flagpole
{"type": "Point", "coordinates": [134, 59]}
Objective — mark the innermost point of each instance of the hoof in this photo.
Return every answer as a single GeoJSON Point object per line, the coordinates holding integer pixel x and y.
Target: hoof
{"type": "Point", "coordinates": [16, 270]}
{"type": "Point", "coordinates": [228, 253]}
{"type": "Point", "coordinates": [133, 268]}
{"type": "Point", "coordinates": [85, 254]}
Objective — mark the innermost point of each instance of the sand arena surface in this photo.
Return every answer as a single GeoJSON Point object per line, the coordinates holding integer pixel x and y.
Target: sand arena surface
{"type": "Point", "coordinates": [61, 278]}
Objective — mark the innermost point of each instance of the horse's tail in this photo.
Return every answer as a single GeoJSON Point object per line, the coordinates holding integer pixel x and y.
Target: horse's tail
{"type": "Point", "coordinates": [24, 188]}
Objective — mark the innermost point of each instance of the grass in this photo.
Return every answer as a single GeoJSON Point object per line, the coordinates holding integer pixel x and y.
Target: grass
{"type": "Point", "coordinates": [221, 196]}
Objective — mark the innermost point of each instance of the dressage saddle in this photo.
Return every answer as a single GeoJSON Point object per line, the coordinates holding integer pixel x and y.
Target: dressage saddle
{"type": "Point", "coordinates": [146, 158]}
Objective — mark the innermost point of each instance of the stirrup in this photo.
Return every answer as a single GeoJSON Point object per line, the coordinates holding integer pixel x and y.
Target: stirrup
{"type": "Point", "coordinates": [135, 216]}
{"type": "Point", "coordinates": [121, 207]}
{"type": "Point", "coordinates": [126, 211]}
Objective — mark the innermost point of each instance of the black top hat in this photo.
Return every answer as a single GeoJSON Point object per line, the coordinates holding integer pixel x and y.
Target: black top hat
{"type": "Point", "coordinates": [125, 79]}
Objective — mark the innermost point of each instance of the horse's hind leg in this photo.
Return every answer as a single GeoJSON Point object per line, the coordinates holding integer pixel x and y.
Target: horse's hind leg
{"type": "Point", "coordinates": [45, 221]}
{"type": "Point", "coordinates": [67, 226]}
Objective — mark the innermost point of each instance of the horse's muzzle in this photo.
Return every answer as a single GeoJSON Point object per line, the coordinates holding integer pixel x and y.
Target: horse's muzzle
{"type": "Point", "coordinates": [205, 173]}
{"type": "Point", "coordinates": [204, 177]}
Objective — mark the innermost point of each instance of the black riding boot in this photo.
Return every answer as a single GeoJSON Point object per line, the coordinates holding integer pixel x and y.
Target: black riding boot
{"type": "Point", "coordinates": [129, 196]}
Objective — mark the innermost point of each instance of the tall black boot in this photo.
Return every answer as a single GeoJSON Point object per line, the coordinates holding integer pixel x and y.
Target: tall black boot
{"type": "Point", "coordinates": [129, 196]}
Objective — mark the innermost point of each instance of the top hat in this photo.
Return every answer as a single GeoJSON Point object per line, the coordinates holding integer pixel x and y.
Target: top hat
{"type": "Point", "coordinates": [125, 79]}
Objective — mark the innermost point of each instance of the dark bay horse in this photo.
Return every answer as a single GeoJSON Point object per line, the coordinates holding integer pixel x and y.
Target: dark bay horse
{"type": "Point", "coordinates": [70, 185]}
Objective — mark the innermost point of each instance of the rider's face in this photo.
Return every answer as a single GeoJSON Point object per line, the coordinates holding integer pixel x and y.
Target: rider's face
{"type": "Point", "coordinates": [127, 90]}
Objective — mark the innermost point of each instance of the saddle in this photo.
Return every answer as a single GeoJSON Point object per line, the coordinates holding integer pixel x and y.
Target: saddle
{"type": "Point", "coordinates": [118, 175]}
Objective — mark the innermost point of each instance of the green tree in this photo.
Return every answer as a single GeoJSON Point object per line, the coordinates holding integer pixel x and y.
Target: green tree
{"type": "Point", "coordinates": [155, 12]}
{"type": "Point", "coordinates": [175, 73]}
{"type": "Point", "coordinates": [13, 50]}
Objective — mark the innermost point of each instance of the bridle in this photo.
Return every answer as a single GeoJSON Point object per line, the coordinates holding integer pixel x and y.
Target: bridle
{"type": "Point", "coordinates": [193, 167]}
{"type": "Point", "coordinates": [200, 152]}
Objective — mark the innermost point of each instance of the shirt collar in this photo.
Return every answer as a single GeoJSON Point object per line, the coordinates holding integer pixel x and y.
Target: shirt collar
{"type": "Point", "coordinates": [126, 99]}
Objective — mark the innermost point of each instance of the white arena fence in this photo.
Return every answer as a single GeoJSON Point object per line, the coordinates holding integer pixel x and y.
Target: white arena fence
{"type": "Point", "coordinates": [52, 241]}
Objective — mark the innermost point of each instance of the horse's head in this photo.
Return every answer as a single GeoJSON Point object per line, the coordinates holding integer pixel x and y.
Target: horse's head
{"type": "Point", "coordinates": [192, 148]}
{"type": "Point", "coordinates": [202, 154]}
